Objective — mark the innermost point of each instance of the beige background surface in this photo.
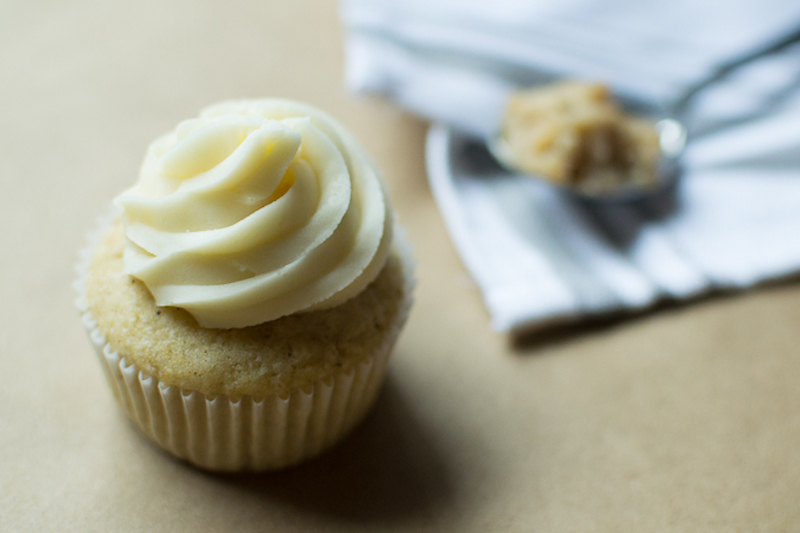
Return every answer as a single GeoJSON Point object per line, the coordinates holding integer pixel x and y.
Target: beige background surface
{"type": "Point", "coordinates": [684, 419]}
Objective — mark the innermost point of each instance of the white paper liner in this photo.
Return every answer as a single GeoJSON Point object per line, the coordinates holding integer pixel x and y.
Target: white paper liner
{"type": "Point", "coordinates": [245, 434]}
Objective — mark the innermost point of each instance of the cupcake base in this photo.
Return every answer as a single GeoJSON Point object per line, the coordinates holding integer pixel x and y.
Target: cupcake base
{"type": "Point", "coordinates": [244, 434]}
{"type": "Point", "coordinates": [247, 432]}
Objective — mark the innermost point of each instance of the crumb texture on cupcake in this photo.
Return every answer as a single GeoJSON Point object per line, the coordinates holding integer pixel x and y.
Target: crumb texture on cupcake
{"type": "Point", "coordinates": [271, 358]}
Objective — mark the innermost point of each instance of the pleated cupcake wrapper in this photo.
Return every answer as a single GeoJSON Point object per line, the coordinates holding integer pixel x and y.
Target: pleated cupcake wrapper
{"type": "Point", "coordinates": [224, 434]}
{"type": "Point", "coordinates": [246, 433]}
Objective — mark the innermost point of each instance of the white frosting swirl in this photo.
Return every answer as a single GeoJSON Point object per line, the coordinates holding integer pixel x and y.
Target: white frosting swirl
{"type": "Point", "coordinates": [256, 210]}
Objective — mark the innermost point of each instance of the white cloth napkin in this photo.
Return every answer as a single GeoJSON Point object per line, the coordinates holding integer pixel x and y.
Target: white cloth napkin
{"type": "Point", "coordinates": [538, 255]}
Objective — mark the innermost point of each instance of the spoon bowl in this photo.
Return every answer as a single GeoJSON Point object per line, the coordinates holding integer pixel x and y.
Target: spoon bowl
{"type": "Point", "coordinates": [672, 138]}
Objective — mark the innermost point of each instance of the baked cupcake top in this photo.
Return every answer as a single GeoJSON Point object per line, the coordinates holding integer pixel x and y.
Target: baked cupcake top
{"type": "Point", "coordinates": [256, 210]}
{"type": "Point", "coordinates": [274, 357]}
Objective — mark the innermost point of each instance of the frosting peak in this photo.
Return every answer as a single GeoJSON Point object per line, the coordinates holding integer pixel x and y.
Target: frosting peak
{"type": "Point", "coordinates": [256, 210]}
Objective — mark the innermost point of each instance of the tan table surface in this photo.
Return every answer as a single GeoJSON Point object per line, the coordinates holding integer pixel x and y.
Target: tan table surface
{"type": "Point", "coordinates": [684, 419]}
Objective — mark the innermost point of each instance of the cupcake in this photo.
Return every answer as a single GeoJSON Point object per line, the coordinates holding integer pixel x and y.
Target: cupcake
{"type": "Point", "coordinates": [244, 296]}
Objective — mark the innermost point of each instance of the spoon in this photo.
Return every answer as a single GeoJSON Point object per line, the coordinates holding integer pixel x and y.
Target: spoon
{"type": "Point", "coordinates": [670, 126]}
{"type": "Point", "coordinates": [672, 138]}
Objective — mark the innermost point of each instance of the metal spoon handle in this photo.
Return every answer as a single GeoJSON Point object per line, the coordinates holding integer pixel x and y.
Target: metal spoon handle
{"type": "Point", "coordinates": [678, 108]}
